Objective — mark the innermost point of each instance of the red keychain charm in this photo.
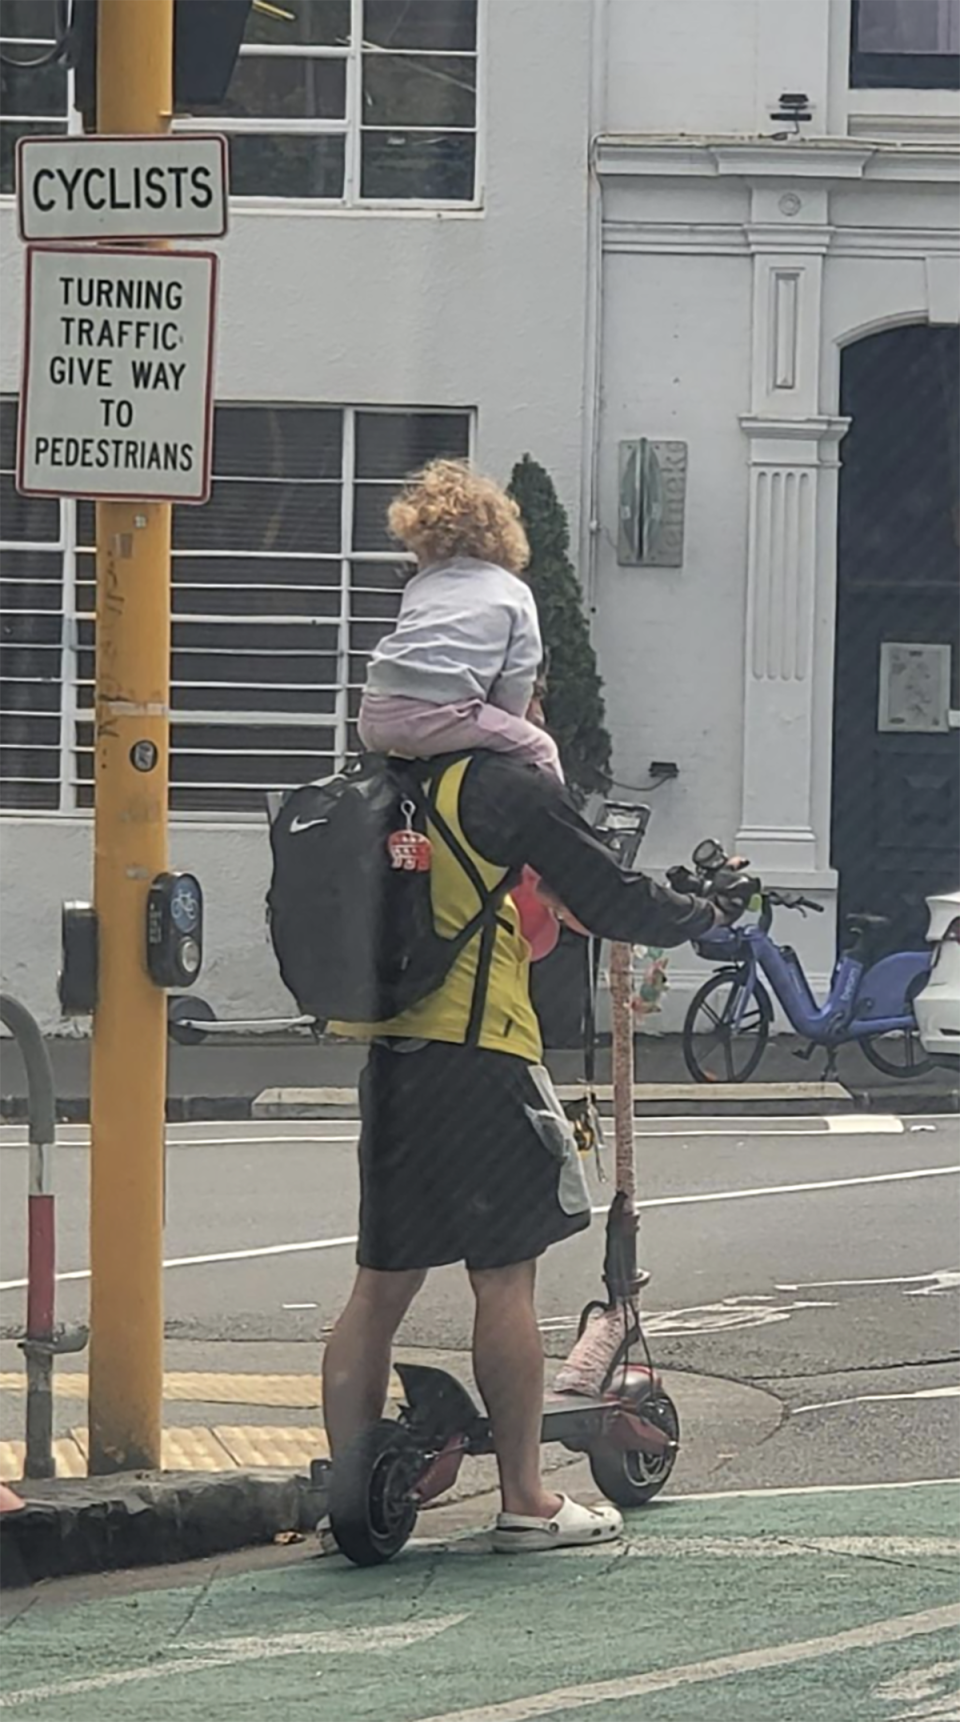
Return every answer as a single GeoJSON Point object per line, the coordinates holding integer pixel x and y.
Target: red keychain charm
{"type": "Point", "coordinates": [409, 850]}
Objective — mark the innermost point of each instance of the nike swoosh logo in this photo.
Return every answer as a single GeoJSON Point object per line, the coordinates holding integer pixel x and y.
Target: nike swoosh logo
{"type": "Point", "coordinates": [299, 824]}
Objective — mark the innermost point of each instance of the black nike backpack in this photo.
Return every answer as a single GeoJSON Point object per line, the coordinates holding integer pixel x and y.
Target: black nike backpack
{"type": "Point", "coordinates": [354, 935]}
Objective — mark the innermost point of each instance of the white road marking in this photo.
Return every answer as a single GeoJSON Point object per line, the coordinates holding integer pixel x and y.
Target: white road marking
{"type": "Point", "coordinates": [748, 1309]}
{"type": "Point", "coordinates": [308, 1244]}
{"type": "Point", "coordinates": [224, 1652]}
{"type": "Point", "coordinates": [951, 1392]}
{"type": "Point", "coordinates": [729, 1313]}
{"type": "Point", "coordinates": [13, 1135]}
{"type": "Point", "coordinates": [258, 1141]}
{"type": "Point", "coordinates": [255, 1141]}
{"type": "Point", "coordinates": [741, 1132]}
{"type": "Point", "coordinates": [917, 1684]}
{"type": "Point", "coordinates": [567, 1698]}
{"type": "Point", "coordinates": [762, 1548]}
{"type": "Point", "coordinates": [818, 1489]}
{"type": "Point", "coordinates": [862, 1124]}
{"type": "Point", "coordinates": [796, 1189]}
{"type": "Point", "coordinates": [940, 1280]}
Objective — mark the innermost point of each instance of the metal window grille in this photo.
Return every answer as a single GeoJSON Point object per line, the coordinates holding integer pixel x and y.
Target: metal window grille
{"type": "Point", "coordinates": [282, 586]}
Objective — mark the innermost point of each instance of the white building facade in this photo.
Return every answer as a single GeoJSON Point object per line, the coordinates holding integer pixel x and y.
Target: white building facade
{"type": "Point", "coordinates": [555, 227]}
{"type": "Point", "coordinates": [743, 259]}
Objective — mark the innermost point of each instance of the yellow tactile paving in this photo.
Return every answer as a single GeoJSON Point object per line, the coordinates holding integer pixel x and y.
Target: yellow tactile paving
{"type": "Point", "coordinates": [11, 1460]}
{"type": "Point", "coordinates": [286, 1392]}
{"type": "Point", "coordinates": [193, 1450]}
{"type": "Point", "coordinates": [300, 1392]}
{"type": "Point", "coordinates": [183, 1449]}
{"type": "Point", "coordinates": [251, 1445]}
{"type": "Point", "coordinates": [199, 1448]}
{"type": "Point", "coordinates": [69, 1460]}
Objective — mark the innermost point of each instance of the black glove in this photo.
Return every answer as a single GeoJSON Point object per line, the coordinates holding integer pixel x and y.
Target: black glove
{"type": "Point", "coordinates": [731, 892]}
{"type": "Point", "coordinates": [681, 879]}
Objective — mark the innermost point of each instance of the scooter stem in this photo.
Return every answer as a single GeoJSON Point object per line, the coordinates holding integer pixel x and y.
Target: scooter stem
{"type": "Point", "coordinates": [621, 1036]}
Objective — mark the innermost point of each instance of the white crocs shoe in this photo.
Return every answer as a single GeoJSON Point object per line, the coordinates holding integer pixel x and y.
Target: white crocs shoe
{"type": "Point", "coordinates": [573, 1526]}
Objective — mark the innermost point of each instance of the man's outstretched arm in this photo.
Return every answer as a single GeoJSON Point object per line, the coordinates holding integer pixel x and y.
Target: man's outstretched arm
{"type": "Point", "coordinates": [517, 817]}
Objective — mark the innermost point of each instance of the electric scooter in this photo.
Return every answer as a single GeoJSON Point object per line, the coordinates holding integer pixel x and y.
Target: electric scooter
{"type": "Point", "coordinates": [628, 1428]}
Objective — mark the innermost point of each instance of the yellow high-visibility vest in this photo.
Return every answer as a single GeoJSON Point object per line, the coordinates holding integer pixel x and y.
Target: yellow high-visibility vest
{"type": "Point", "coordinates": [507, 1021]}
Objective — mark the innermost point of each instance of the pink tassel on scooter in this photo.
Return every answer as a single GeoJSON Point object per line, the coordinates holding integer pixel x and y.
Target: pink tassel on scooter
{"type": "Point", "coordinates": [587, 1367]}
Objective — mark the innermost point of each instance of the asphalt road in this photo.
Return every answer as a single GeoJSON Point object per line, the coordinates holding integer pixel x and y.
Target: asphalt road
{"type": "Point", "coordinates": [816, 1258]}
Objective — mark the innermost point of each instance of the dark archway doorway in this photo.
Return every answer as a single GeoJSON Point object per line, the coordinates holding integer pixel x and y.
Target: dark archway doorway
{"type": "Point", "coordinates": [896, 760]}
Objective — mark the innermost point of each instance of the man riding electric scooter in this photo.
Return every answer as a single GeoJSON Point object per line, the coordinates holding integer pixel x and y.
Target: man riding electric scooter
{"type": "Point", "coordinates": [465, 1152]}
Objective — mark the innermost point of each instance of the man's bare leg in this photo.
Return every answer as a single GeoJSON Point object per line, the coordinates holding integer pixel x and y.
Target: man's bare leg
{"type": "Point", "coordinates": [508, 1362]}
{"type": "Point", "coordinates": [356, 1363]}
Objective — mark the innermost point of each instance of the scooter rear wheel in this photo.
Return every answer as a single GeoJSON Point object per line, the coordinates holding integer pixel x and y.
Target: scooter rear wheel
{"type": "Point", "coordinates": [371, 1511]}
{"type": "Point", "coordinates": [630, 1479]}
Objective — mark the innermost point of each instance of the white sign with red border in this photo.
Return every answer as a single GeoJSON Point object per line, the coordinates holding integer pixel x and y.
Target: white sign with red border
{"type": "Point", "coordinates": [117, 393]}
{"type": "Point", "coordinates": [172, 186]}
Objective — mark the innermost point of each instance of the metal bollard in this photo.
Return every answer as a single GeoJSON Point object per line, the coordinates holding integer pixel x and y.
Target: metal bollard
{"type": "Point", "coordinates": [43, 1340]}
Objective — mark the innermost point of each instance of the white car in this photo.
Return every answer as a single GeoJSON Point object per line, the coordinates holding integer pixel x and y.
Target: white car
{"type": "Point", "coordinates": [938, 1005]}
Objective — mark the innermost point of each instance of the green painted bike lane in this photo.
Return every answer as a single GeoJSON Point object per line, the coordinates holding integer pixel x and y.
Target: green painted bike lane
{"type": "Point", "coordinates": [809, 1607]}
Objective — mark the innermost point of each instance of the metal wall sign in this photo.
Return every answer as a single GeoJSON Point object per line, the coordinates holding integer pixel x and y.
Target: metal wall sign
{"type": "Point", "coordinates": [116, 399]}
{"type": "Point", "coordinates": [651, 498]}
{"type": "Point", "coordinates": [84, 188]}
{"type": "Point", "coordinates": [914, 688]}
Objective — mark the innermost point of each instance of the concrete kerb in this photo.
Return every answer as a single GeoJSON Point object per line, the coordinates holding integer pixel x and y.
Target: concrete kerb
{"type": "Point", "coordinates": [99, 1524]}
{"type": "Point", "coordinates": [180, 1108]}
{"type": "Point", "coordinates": [936, 1093]}
{"type": "Point", "coordinates": [654, 1099]}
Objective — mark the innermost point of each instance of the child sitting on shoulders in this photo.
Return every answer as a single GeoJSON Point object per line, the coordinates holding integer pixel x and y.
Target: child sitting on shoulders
{"type": "Point", "coordinates": [460, 669]}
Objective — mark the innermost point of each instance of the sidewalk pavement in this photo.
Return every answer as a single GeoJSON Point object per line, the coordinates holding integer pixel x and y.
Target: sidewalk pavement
{"type": "Point", "coordinates": [237, 1452]}
{"type": "Point", "coordinates": [223, 1077]}
{"type": "Point", "coordinates": [827, 1606]}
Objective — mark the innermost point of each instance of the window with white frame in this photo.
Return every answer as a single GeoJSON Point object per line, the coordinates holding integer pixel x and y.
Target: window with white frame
{"type": "Point", "coordinates": [357, 100]}
{"type": "Point", "coordinates": [282, 585]}
{"type": "Point", "coordinates": [33, 88]}
{"type": "Point", "coordinates": [347, 101]}
{"type": "Point", "coordinates": [34, 663]}
{"type": "Point", "coordinates": [905, 44]}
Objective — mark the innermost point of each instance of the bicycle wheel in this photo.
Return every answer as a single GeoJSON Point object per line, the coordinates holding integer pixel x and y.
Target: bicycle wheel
{"type": "Point", "coordinates": [715, 1051]}
{"type": "Point", "coordinates": [902, 1055]}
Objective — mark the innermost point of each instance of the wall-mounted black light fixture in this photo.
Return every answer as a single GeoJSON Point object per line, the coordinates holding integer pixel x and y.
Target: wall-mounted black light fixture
{"type": "Point", "coordinates": [793, 108]}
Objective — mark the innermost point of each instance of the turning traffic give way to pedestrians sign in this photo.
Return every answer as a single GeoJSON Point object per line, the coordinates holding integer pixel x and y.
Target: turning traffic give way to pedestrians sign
{"type": "Point", "coordinates": [117, 391]}
{"type": "Point", "coordinates": [118, 374]}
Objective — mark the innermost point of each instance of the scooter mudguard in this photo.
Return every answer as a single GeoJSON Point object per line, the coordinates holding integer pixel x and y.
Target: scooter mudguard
{"type": "Point", "coordinates": [439, 1405]}
{"type": "Point", "coordinates": [889, 987]}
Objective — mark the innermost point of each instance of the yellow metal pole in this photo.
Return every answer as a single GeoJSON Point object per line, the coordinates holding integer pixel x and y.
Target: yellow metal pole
{"type": "Point", "coordinates": [134, 94]}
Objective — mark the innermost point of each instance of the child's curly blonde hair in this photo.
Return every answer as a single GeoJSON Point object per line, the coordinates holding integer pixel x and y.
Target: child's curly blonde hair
{"type": "Point", "coordinates": [447, 510]}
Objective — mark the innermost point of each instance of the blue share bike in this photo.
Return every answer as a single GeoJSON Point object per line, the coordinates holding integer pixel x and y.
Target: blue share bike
{"type": "Point", "coordinates": [870, 1001]}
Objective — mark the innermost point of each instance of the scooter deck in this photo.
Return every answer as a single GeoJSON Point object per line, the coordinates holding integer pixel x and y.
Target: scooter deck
{"type": "Point", "coordinates": [443, 1408]}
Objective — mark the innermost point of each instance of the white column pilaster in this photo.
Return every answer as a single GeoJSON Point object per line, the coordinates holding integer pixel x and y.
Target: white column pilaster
{"type": "Point", "coordinates": [789, 444]}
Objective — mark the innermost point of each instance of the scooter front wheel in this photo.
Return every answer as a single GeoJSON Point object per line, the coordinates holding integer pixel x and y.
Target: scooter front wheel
{"type": "Point", "coordinates": [630, 1479]}
{"type": "Point", "coordinates": [372, 1512]}
{"type": "Point", "coordinates": [717, 1048]}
